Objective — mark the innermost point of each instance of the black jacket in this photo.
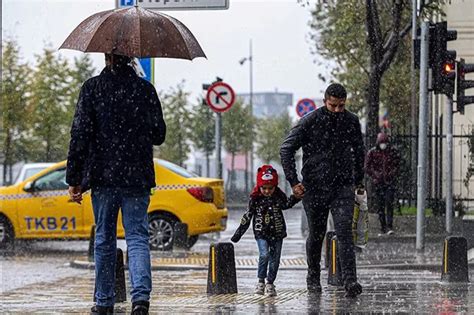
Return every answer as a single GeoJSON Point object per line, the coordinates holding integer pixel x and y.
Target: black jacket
{"type": "Point", "coordinates": [117, 121]}
{"type": "Point", "coordinates": [268, 220]}
{"type": "Point", "coordinates": [333, 150]}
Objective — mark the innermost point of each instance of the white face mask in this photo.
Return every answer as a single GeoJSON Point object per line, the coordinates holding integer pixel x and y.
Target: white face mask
{"type": "Point", "coordinates": [383, 146]}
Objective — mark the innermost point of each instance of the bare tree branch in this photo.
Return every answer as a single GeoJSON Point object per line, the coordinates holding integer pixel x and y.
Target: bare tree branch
{"type": "Point", "coordinates": [394, 39]}
{"type": "Point", "coordinates": [405, 30]}
{"type": "Point", "coordinates": [370, 26]}
{"type": "Point", "coordinates": [377, 27]}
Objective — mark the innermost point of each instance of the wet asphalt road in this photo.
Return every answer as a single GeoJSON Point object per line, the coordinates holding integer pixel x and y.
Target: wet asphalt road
{"type": "Point", "coordinates": [38, 279]}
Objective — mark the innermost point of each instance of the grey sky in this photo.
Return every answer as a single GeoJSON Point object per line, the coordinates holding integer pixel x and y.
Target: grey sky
{"type": "Point", "coordinates": [279, 31]}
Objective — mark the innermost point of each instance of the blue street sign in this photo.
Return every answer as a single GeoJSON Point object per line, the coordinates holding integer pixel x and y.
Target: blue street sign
{"type": "Point", "coordinates": [148, 71]}
{"type": "Point", "coordinates": [127, 3]}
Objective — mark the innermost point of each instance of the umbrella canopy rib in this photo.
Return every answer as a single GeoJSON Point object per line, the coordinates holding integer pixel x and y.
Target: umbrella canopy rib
{"type": "Point", "coordinates": [177, 26]}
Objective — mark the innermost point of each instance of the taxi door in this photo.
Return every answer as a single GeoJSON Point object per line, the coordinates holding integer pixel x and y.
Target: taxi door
{"type": "Point", "coordinates": [45, 209]}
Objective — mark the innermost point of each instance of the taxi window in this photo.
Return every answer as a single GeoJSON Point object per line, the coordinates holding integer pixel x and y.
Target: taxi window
{"type": "Point", "coordinates": [32, 171]}
{"type": "Point", "coordinates": [55, 180]}
{"type": "Point", "coordinates": [177, 169]}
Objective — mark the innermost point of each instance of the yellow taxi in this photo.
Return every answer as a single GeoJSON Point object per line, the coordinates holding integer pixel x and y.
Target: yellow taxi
{"type": "Point", "coordinates": [39, 207]}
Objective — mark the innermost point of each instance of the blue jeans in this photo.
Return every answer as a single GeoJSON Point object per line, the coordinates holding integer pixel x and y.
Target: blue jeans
{"type": "Point", "coordinates": [269, 257]}
{"type": "Point", "coordinates": [106, 203]}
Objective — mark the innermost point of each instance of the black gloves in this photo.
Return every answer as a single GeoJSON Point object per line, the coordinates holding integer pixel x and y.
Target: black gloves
{"type": "Point", "coordinates": [235, 238]}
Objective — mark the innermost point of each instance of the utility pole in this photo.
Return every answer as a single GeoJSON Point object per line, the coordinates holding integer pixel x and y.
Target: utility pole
{"type": "Point", "coordinates": [218, 145]}
{"type": "Point", "coordinates": [242, 61]}
{"type": "Point", "coordinates": [422, 133]}
{"type": "Point", "coordinates": [251, 112]}
{"type": "Point", "coordinates": [449, 163]}
{"type": "Point", "coordinates": [414, 91]}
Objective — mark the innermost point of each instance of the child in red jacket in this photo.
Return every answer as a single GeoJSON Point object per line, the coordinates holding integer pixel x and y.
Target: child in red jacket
{"type": "Point", "coordinates": [265, 208]}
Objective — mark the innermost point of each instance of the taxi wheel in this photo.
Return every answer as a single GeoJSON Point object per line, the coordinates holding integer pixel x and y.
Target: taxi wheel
{"type": "Point", "coordinates": [6, 234]}
{"type": "Point", "coordinates": [161, 229]}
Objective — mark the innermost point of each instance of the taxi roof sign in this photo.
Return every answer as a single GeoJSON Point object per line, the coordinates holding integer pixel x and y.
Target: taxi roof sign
{"type": "Point", "coordinates": [162, 5]}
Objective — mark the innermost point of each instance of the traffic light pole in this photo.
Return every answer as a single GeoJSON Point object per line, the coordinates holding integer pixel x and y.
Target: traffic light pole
{"type": "Point", "coordinates": [449, 164]}
{"type": "Point", "coordinates": [414, 88]}
{"type": "Point", "coordinates": [422, 135]}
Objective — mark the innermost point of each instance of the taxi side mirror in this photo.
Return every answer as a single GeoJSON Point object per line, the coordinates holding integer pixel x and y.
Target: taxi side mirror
{"type": "Point", "coordinates": [29, 187]}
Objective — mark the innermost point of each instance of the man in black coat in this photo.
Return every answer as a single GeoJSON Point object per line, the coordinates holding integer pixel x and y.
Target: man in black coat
{"type": "Point", "coordinates": [333, 162]}
{"type": "Point", "coordinates": [117, 121]}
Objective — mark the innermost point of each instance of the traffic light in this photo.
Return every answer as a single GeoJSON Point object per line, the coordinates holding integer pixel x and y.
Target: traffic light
{"type": "Point", "coordinates": [462, 84]}
{"type": "Point", "coordinates": [442, 60]}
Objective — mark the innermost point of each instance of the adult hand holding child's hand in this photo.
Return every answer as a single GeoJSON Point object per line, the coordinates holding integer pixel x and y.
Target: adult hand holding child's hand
{"type": "Point", "coordinates": [298, 190]}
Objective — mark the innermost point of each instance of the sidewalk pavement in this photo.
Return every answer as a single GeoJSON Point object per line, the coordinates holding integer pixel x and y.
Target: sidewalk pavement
{"type": "Point", "coordinates": [394, 277]}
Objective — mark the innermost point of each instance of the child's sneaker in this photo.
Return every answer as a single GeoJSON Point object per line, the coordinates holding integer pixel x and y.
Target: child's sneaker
{"type": "Point", "coordinates": [270, 288]}
{"type": "Point", "coordinates": [390, 232]}
{"type": "Point", "coordinates": [260, 289]}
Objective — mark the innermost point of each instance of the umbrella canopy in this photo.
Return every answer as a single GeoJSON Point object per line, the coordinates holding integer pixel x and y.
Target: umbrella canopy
{"type": "Point", "coordinates": [134, 32]}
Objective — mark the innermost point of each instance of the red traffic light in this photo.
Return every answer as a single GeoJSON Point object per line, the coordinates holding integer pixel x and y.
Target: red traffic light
{"type": "Point", "coordinates": [448, 67]}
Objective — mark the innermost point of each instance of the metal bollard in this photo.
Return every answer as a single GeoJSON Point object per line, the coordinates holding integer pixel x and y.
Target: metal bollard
{"type": "Point", "coordinates": [180, 238]}
{"type": "Point", "coordinates": [334, 268]}
{"type": "Point", "coordinates": [329, 236]}
{"type": "Point", "coordinates": [455, 266]}
{"type": "Point", "coordinates": [221, 276]}
{"type": "Point", "coordinates": [90, 251]}
{"type": "Point", "coordinates": [120, 289]}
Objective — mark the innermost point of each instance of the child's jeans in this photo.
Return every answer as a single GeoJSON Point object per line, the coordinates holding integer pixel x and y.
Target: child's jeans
{"type": "Point", "coordinates": [269, 256]}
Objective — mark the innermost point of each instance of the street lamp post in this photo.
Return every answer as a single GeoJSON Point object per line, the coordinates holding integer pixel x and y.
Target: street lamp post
{"type": "Point", "coordinates": [242, 61]}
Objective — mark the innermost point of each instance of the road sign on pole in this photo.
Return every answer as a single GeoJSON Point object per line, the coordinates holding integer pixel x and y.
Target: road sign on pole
{"type": "Point", "coordinates": [176, 4]}
{"type": "Point", "coordinates": [145, 68]}
{"type": "Point", "coordinates": [220, 97]}
{"type": "Point", "coordinates": [305, 106]}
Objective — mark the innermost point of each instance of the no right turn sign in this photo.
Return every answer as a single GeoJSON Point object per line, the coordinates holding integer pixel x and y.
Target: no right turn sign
{"type": "Point", "coordinates": [220, 97]}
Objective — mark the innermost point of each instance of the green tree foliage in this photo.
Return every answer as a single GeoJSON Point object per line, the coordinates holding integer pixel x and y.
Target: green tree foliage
{"type": "Point", "coordinates": [177, 117]}
{"type": "Point", "coordinates": [16, 77]}
{"type": "Point", "coordinates": [51, 107]}
{"type": "Point", "coordinates": [81, 70]}
{"type": "Point", "coordinates": [38, 104]}
{"type": "Point", "coordinates": [202, 124]}
{"type": "Point", "coordinates": [271, 133]}
{"type": "Point", "coordinates": [236, 132]}
{"type": "Point", "coordinates": [369, 42]}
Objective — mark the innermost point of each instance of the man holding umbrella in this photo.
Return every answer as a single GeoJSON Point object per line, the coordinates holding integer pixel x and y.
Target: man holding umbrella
{"type": "Point", "coordinates": [118, 119]}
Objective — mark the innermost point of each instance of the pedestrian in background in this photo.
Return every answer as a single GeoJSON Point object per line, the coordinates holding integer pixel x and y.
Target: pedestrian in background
{"type": "Point", "coordinates": [333, 168]}
{"type": "Point", "coordinates": [117, 121]}
{"type": "Point", "coordinates": [266, 203]}
{"type": "Point", "coordinates": [382, 166]}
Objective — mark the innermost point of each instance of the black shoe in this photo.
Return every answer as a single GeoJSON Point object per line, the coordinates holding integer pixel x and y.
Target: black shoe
{"type": "Point", "coordinates": [313, 285]}
{"type": "Point", "coordinates": [353, 289]}
{"type": "Point", "coordinates": [102, 310]}
{"type": "Point", "coordinates": [314, 288]}
{"type": "Point", "coordinates": [140, 307]}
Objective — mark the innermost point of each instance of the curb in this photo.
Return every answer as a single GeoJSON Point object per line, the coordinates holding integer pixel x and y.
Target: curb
{"type": "Point", "coordinates": [403, 238]}
{"type": "Point", "coordinates": [78, 264]}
